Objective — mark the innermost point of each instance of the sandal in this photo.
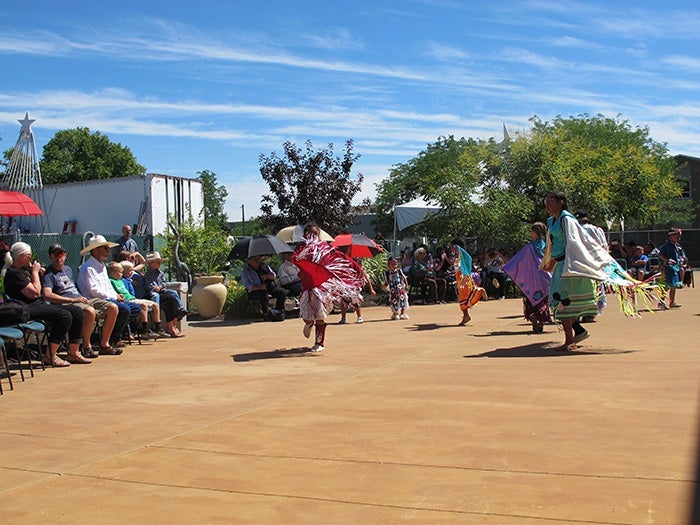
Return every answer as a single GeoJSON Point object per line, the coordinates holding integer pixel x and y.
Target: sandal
{"type": "Point", "coordinates": [110, 350]}
{"type": "Point", "coordinates": [176, 335]}
{"type": "Point", "coordinates": [57, 362]}
{"type": "Point", "coordinates": [89, 352]}
{"type": "Point", "coordinates": [78, 359]}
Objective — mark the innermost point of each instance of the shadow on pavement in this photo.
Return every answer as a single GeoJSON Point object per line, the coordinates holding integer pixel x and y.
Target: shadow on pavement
{"type": "Point", "coordinates": [273, 354]}
{"type": "Point", "coordinates": [546, 350]}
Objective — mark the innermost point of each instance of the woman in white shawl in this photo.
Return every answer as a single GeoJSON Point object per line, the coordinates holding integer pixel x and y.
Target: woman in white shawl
{"type": "Point", "coordinates": [569, 297]}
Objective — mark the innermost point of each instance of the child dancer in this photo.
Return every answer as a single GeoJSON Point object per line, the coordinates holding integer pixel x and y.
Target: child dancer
{"type": "Point", "coordinates": [397, 284]}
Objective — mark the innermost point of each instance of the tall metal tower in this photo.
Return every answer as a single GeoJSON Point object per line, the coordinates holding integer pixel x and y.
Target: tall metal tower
{"type": "Point", "coordinates": [23, 171]}
{"type": "Point", "coordinates": [23, 174]}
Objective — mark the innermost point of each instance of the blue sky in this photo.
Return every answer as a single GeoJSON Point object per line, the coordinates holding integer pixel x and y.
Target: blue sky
{"type": "Point", "coordinates": [213, 84]}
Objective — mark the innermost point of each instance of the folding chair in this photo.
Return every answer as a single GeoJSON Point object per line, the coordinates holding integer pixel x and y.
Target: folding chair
{"type": "Point", "coordinates": [10, 335]}
{"type": "Point", "coordinates": [4, 366]}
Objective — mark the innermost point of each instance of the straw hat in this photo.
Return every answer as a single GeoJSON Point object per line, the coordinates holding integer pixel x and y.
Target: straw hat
{"type": "Point", "coordinates": [153, 257]}
{"type": "Point", "coordinates": [96, 242]}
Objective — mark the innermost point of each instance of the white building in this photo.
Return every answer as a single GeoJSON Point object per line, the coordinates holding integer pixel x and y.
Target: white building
{"type": "Point", "coordinates": [105, 205]}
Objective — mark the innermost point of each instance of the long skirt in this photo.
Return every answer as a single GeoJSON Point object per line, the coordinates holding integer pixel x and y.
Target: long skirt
{"type": "Point", "coordinates": [572, 297]}
{"type": "Point", "coordinates": [539, 312]}
{"type": "Point", "coordinates": [315, 304]}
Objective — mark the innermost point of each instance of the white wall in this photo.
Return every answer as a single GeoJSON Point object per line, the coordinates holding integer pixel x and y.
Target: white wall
{"type": "Point", "coordinates": [104, 206]}
{"type": "Point", "coordinates": [101, 206]}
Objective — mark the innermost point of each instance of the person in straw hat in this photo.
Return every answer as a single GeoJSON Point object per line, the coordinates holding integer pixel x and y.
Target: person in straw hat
{"type": "Point", "coordinates": [170, 303]}
{"type": "Point", "coordinates": [94, 283]}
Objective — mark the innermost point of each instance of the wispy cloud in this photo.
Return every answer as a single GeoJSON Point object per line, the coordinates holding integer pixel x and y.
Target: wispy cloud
{"type": "Point", "coordinates": [445, 52]}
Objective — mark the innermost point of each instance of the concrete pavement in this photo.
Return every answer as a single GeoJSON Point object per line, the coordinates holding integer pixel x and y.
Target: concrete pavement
{"type": "Point", "coordinates": [417, 421]}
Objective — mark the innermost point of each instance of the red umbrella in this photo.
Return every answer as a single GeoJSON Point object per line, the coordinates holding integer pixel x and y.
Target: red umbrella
{"type": "Point", "coordinates": [356, 245]}
{"type": "Point", "coordinates": [17, 204]}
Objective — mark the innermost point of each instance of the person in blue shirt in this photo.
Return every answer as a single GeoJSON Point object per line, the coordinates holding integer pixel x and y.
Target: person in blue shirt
{"type": "Point", "coordinates": [674, 261]}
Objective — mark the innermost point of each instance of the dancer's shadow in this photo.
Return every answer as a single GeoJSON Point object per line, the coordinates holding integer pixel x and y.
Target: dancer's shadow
{"type": "Point", "coordinates": [430, 326]}
{"type": "Point", "coordinates": [504, 332]}
{"type": "Point", "coordinates": [280, 353]}
{"type": "Point", "coordinates": [547, 350]}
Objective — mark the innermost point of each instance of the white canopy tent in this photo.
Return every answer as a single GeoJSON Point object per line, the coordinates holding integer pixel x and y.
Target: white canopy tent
{"type": "Point", "coordinates": [413, 212]}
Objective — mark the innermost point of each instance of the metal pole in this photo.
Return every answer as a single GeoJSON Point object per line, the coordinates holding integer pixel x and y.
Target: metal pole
{"type": "Point", "coordinates": [393, 242]}
{"type": "Point", "coordinates": [243, 219]}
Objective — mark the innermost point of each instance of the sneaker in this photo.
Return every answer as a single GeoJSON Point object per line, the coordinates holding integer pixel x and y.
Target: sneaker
{"type": "Point", "coordinates": [394, 317]}
{"type": "Point", "coordinates": [342, 320]}
{"type": "Point", "coordinates": [162, 333]}
{"type": "Point", "coordinates": [360, 320]}
{"type": "Point", "coordinates": [110, 350]}
{"type": "Point", "coordinates": [403, 316]}
{"type": "Point", "coordinates": [147, 333]}
{"type": "Point", "coordinates": [580, 337]}
{"type": "Point", "coordinates": [307, 330]}
{"type": "Point", "coordinates": [317, 348]}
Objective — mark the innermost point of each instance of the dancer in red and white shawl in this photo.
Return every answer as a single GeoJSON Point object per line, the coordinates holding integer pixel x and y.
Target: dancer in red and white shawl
{"type": "Point", "coordinates": [327, 275]}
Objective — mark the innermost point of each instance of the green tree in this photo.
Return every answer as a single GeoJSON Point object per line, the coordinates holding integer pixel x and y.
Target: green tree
{"type": "Point", "coordinates": [214, 199]}
{"type": "Point", "coordinates": [77, 155]}
{"type": "Point", "coordinates": [309, 186]}
{"type": "Point", "coordinates": [603, 164]}
{"type": "Point", "coordinates": [493, 191]}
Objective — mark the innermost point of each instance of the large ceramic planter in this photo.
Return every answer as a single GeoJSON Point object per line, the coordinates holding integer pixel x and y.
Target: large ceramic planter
{"type": "Point", "coordinates": [209, 295]}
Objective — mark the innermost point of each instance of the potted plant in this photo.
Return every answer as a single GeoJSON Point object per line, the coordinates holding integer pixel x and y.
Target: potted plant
{"type": "Point", "coordinates": [202, 250]}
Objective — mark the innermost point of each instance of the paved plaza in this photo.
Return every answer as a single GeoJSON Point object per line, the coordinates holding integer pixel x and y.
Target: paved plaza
{"type": "Point", "coordinates": [417, 421]}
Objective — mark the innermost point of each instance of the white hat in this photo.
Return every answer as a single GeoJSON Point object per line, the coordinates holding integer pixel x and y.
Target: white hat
{"type": "Point", "coordinates": [96, 242]}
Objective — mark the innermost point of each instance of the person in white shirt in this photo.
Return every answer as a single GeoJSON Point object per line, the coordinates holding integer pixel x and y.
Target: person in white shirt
{"type": "Point", "coordinates": [288, 275]}
{"type": "Point", "coordinates": [93, 282]}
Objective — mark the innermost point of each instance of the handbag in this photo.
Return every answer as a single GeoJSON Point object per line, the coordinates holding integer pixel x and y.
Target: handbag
{"type": "Point", "coordinates": [13, 312]}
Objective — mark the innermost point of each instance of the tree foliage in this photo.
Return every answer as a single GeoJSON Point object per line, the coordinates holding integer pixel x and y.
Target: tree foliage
{"type": "Point", "coordinates": [493, 191]}
{"type": "Point", "coordinates": [604, 165]}
{"type": "Point", "coordinates": [203, 249]}
{"type": "Point", "coordinates": [309, 186]}
{"type": "Point", "coordinates": [214, 199]}
{"type": "Point", "coordinates": [78, 155]}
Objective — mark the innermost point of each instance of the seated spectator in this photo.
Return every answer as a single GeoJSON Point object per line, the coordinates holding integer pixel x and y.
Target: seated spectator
{"type": "Point", "coordinates": [638, 264]}
{"type": "Point", "coordinates": [167, 304]}
{"type": "Point", "coordinates": [59, 288]}
{"type": "Point", "coordinates": [93, 283]}
{"type": "Point", "coordinates": [22, 283]}
{"type": "Point", "coordinates": [423, 274]}
{"type": "Point", "coordinates": [407, 260]}
{"type": "Point", "coordinates": [650, 249]}
{"type": "Point", "coordinates": [156, 283]}
{"type": "Point", "coordinates": [136, 259]}
{"type": "Point", "coordinates": [115, 271]}
{"type": "Point", "coordinates": [259, 280]}
{"type": "Point", "coordinates": [288, 274]}
{"type": "Point", "coordinates": [617, 251]}
{"type": "Point", "coordinates": [444, 266]}
{"type": "Point", "coordinates": [493, 265]}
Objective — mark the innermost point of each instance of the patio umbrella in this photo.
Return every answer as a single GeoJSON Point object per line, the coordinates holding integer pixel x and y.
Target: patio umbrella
{"type": "Point", "coordinates": [17, 204]}
{"type": "Point", "coordinates": [258, 245]}
{"type": "Point", "coordinates": [294, 234]}
{"type": "Point", "coordinates": [356, 245]}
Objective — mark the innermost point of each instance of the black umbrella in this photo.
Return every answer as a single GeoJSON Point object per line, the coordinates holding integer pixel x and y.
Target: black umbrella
{"type": "Point", "coordinates": [258, 245]}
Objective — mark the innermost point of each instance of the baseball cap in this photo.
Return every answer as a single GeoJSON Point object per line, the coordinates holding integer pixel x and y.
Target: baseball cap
{"type": "Point", "coordinates": [55, 247]}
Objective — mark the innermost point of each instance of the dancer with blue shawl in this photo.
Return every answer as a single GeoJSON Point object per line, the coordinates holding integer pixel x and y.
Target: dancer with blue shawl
{"type": "Point", "coordinates": [523, 269]}
{"type": "Point", "coordinates": [468, 293]}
